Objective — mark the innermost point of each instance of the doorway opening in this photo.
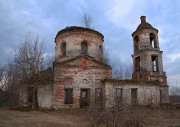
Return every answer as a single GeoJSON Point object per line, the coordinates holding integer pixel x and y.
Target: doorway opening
{"type": "Point", "coordinates": [84, 98]}
{"type": "Point", "coordinates": [134, 96]}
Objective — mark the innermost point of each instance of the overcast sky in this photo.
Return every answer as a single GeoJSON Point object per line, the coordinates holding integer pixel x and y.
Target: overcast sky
{"type": "Point", "coordinates": [115, 19]}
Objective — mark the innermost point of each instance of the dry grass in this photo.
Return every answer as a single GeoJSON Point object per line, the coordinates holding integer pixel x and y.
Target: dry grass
{"type": "Point", "coordinates": [14, 118]}
{"type": "Point", "coordinates": [135, 117]}
{"type": "Point", "coordinates": [162, 118]}
{"type": "Point", "coordinates": [83, 118]}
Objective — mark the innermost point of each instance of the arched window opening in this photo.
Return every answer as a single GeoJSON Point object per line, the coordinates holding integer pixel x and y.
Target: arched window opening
{"type": "Point", "coordinates": [101, 49]}
{"type": "Point", "coordinates": [153, 40]}
{"type": "Point", "coordinates": [136, 43]}
{"type": "Point", "coordinates": [155, 67]}
{"type": "Point", "coordinates": [68, 96]}
{"type": "Point", "coordinates": [138, 67]}
{"type": "Point", "coordinates": [63, 49]}
{"type": "Point", "coordinates": [100, 52]}
{"type": "Point", "coordinates": [84, 48]}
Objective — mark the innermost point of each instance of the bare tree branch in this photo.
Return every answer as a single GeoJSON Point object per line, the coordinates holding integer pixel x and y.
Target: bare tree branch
{"type": "Point", "coordinates": [174, 90]}
{"type": "Point", "coordinates": [86, 20]}
{"type": "Point", "coordinates": [118, 72]}
{"type": "Point", "coordinates": [128, 72]}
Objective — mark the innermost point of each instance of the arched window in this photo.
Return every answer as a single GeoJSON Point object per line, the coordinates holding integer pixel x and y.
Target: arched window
{"type": "Point", "coordinates": [100, 50]}
{"type": "Point", "coordinates": [155, 66]}
{"type": "Point", "coordinates": [153, 40]}
{"type": "Point", "coordinates": [138, 67]}
{"type": "Point", "coordinates": [63, 49]}
{"type": "Point", "coordinates": [84, 48]}
{"type": "Point", "coordinates": [136, 43]}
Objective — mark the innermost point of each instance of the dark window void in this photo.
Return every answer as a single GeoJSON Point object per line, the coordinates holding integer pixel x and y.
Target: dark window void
{"type": "Point", "coordinates": [98, 95]}
{"type": "Point", "coordinates": [84, 98]}
{"type": "Point", "coordinates": [118, 96]}
{"type": "Point", "coordinates": [101, 48]}
{"type": "Point", "coordinates": [154, 63]}
{"type": "Point", "coordinates": [136, 43]}
{"type": "Point", "coordinates": [138, 67]}
{"type": "Point", "coordinates": [134, 96]}
{"type": "Point", "coordinates": [68, 96]}
{"type": "Point", "coordinates": [153, 42]}
{"type": "Point", "coordinates": [84, 48]}
{"type": "Point", "coordinates": [63, 49]}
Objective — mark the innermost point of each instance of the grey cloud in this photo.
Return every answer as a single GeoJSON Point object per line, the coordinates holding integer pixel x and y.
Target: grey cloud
{"type": "Point", "coordinates": [47, 17]}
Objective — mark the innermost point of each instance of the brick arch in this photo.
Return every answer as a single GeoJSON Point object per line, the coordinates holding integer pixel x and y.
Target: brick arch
{"type": "Point", "coordinates": [84, 47]}
{"type": "Point", "coordinates": [63, 48]}
{"type": "Point", "coordinates": [153, 41]}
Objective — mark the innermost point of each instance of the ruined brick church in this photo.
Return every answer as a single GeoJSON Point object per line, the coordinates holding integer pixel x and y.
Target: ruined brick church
{"type": "Point", "coordinates": [82, 80]}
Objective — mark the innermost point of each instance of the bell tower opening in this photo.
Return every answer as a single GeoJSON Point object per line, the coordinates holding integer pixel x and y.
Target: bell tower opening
{"type": "Point", "coordinates": [153, 43]}
{"type": "Point", "coordinates": [136, 43]}
{"type": "Point", "coordinates": [138, 67]}
{"type": "Point", "coordinates": [154, 59]}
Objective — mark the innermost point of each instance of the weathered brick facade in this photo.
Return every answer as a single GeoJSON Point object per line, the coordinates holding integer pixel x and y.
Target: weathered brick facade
{"type": "Point", "coordinates": [147, 57]}
{"type": "Point", "coordinates": [80, 71]}
{"type": "Point", "coordinates": [146, 93]}
{"type": "Point", "coordinates": [148, 84]}
{"type": "Point", "coordinates": [73, 37]}
{"type": "Point", "coordinates": [77, 70]}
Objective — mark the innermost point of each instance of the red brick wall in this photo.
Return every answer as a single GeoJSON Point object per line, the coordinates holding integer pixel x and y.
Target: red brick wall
{"type": "Point", "coordinates": [72, 76]}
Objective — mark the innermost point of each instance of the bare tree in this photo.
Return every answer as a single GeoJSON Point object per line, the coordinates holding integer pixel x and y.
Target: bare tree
{"type": "Point", "coordinates": [118, 72]}
{"type": "Point", "coordinates": [174, 90]}
{"type": "Point", "coordinates": [174, 93]}
{"type": "Point", "coordinates": [128, 72]}
{"type": "Point", "coordinates": [29, 62]}
{"type": "Point", "coordinates": [8, 85]}
{"type": "Point", "coordinates": [121, 72]}
{"type": "Point", "coordinates": [86, 20]}
{"type": "Point", "coordinates": [102, 55]}
{"type": "Point", "coordinates": [50, 59]}
{"type": "Point", "coordinates": [105, 58]}
{"type": "Point", "coordinates": [5, 75]}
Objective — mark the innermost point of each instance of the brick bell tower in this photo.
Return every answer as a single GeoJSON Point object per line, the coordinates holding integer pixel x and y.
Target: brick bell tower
{"type": "Point", "coordinates": [147, 57]}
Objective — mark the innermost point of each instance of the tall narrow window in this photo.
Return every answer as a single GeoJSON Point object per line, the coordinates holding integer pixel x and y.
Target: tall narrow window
{"type": "Point", "coordinates": [63, 49]}
{"type": "Point", "coordinates": [84, 98]}
{"type": "Point", "coordinates": [101, 49]}
{"type": "Point", "coordinates": [134, 96]}
{"type": "Point", "coordinates": [153, 40]}
{"type": "Point", "coordinates": [118, 96]}
{"type": "Point", "coordinates": [68, 96]}
{"type": "Point", "coordinates": [136, 43]}
{"type": "Point", "coordinates": [138, 67]}
{"type": "Point", "coordinates": [100, 52]}
{"type": "Point", "coordinates": [98, 96]}
{"type": "Point", "coordinates": [84, 48]}
{"type": "Point", "coordinates": [154, 63]}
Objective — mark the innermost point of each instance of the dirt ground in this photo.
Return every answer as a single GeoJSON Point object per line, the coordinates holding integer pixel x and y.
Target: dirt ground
{"type": "Point", "coordinates": [79, 118]}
